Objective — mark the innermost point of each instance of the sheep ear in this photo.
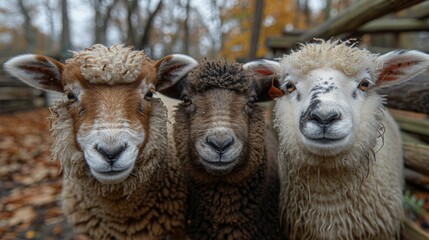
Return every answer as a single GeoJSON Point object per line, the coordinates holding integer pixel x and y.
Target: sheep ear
{"type": "Point", "coordinates": [37, 71]}
{"type": "Point", "coordinates": [171, 72]}
{"type": "Point", "coordinates": [266, 81]}
{"type": "Point", "coordinates": [400, 66]}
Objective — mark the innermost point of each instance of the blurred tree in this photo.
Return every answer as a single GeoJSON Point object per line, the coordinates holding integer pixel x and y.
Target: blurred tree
{"type": "Point", "coordinates": [28, 28]}
{"type": "Point", "coordinates": [65, 33]}
{"type": "Point", "coordinates": [144, 39]}
{"type": "Point", "coordinates": [132, 13]}
{"type": "Point", "coordinates": [277, 14]}
{"type": "Point", "coordinates": [186, 28]}
{"type": "Point", "coordinates": [102, 10]}
{"type": "Point", "coordinates": [327, 10]}
{"type": "Point", "coordinates": [256, 26]}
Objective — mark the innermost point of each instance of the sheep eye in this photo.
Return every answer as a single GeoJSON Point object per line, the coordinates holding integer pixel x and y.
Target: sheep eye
{"type": "Point", "coordinates": [148, 96]}
{"type": "Point", "coordinates": [186, 100]}
{"type": "Point", "coordinates": [290, 87]}
{"type": "Point", "coordinates": [71, 96]}
{"type": "Point", "coordinates": [251, 101]}
{"type": "Point", "coordinates": [363, 85]}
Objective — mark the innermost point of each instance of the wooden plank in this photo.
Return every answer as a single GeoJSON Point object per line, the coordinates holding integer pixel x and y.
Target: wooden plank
{"type": "Point", "coordinates": [420, 127]}
{"type": "Point", "coordinates": [282, 42]}
{"type": "Point", "coordinates": [389, 25]}
{"type": "Point", "coordinates": [411, 231]}
{"type": "Point", "coordinates": [420, 11]}
{"type": "Point", "coordinates": [357, 15]}
{"type": "Point", "coordinates": [385, 25]}
{"type": "Point", "coordinates": [416, 157]}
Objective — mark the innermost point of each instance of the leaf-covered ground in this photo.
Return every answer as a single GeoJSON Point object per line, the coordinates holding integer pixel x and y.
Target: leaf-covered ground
{"type": "Point", "coordinates": [30, 183]}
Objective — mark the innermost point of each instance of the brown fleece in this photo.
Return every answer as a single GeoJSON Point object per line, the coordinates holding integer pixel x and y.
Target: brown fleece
{"type": "Point", "coordinates": [242, 204]}
{"type": "Point", "coordinates": [149, 204]}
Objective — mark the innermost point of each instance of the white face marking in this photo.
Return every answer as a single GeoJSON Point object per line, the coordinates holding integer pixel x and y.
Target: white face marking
{"type": "Point", "coordinates": [110, 143]}
{"type": "Point", "coordinates": [114, 139]}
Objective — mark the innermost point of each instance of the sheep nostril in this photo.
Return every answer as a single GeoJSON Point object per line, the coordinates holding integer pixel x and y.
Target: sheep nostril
{"type": "Point", "coordinates": [325, 119]}
{"type": "Point", "coordinates": [219, 144]}
{"type": "Point", "coordinates": [111, 154]}
{"type": "Point", "coordinates": [314, 116]}
{"type": "Point", "coordinates": [331, 118]}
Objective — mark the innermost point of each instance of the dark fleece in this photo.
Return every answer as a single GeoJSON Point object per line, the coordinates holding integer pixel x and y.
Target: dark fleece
{"type": "Point", "coordinates": [242, 204]}
{"type": "Point", "coordinates": [219, 73]}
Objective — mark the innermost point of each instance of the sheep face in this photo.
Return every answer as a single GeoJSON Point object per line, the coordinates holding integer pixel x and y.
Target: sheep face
{"type": "Point", "coordinates": [102, 120]}
{"type": "Point", "coordinates": [217, 111]}
{"type": "Point", "coordinates": [327, 109]}
{"type": "Point", "coordinates": [110, 124]}
{"type": "Point", "coordinates": [218, 128]}
{"type": "Point", "coordinates": [218, 102]}
{"type": "Point", "coordinates": [330, 105]}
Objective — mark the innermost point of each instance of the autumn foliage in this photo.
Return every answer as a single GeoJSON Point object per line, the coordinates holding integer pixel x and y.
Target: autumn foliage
{"type": "Point", "coordinates": [277, 14]}
{"type": "Point", "coordinates": [30, 182]}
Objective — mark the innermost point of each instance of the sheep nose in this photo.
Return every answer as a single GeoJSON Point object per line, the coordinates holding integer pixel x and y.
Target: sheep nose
{"type": "Point", "coordinates": [325, 118]}
{"type": "Point", "coordinates": [111, 154]}
{"type": "Point", "coordinates": [220, 143]}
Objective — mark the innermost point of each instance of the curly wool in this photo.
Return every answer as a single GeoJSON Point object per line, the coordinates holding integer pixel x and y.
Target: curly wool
{"type": "Point", "coordinates": [113, 65]}
{"type": "Point", "coordinates": [242, 204]}
{"type": "Point", "coordinates": [355, 194]}
{"type": "Point", "coordinates": [149, 204]}
{"type": "Point", "coordinates": [222, 74]}
{"type": "Point", "coordinates": [232, 208]}
{"type": "Point", "coordinates": [336, 54]}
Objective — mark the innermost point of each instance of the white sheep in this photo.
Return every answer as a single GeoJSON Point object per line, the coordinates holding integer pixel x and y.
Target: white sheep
{"type": "Point", "coordinates": [340, 150]}
{"type": "Point", "coordinates": [110, 136]}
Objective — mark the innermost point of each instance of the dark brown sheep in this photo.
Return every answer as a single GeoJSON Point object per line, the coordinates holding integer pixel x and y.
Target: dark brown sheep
{"type": "Point", "coordinates": [219, 134]}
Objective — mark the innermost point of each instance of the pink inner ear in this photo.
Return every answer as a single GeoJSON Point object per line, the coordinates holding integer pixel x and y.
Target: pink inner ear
{"type": "Point", "coordinates": [264, 71]}
{"type": "Point", "coordinates": [393, 71]}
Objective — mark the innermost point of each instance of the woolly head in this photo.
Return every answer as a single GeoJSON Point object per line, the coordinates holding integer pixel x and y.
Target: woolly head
{"type": "Point", "coordinates": [216, 119]}
{"type": "Point", "coordinates": [219, 74]}
{"type": "Point", "coordinates": [105, 114]}
{"type": "Point", "coordinates": [114, 65]}
{"type": "Point", "coordinates": [330, 105]}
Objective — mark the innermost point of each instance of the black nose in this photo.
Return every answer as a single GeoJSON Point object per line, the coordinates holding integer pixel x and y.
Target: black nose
{"type": "Point", "coordinates": [220, 143]}
{"type": "Point", "coordinates": [325, 118]}
{"type": "Point", "coordinates": [111, 154]}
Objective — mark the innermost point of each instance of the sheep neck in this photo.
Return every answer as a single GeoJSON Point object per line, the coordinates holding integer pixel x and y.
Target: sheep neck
{"type": "Point", "coordinates": [224, 204]}
{"type": "Point", "coordinates": [245, 210]}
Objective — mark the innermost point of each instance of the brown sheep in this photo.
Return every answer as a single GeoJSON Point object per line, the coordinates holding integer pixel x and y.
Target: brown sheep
{"type": "Point", "coordinates": [110, 135]}
{"type": "Point", "coordinates": [220, 139]}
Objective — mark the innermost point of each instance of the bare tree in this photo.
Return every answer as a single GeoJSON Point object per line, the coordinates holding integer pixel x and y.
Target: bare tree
{"type": "Point", "coordinates": [132, 6]}
{"type": "Point", "coordinates": [29, 33]}
{"type": "Point", "coordinates": [307, 13]}
{"type": "Point", "coordinates": [327, 10]}
{"type": "Point", "coordinates": [103, 10]}
{"type": "Point", "coordinates": [65, 33]}
{"type": "Point", "coordinates": [50, 17]}
{"type": "Point", "coordinates": [256, 26]}
{"type": "Point", "coordinates": [186, 28]}
{"type": "Point", "coordinates": [144, 39]}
